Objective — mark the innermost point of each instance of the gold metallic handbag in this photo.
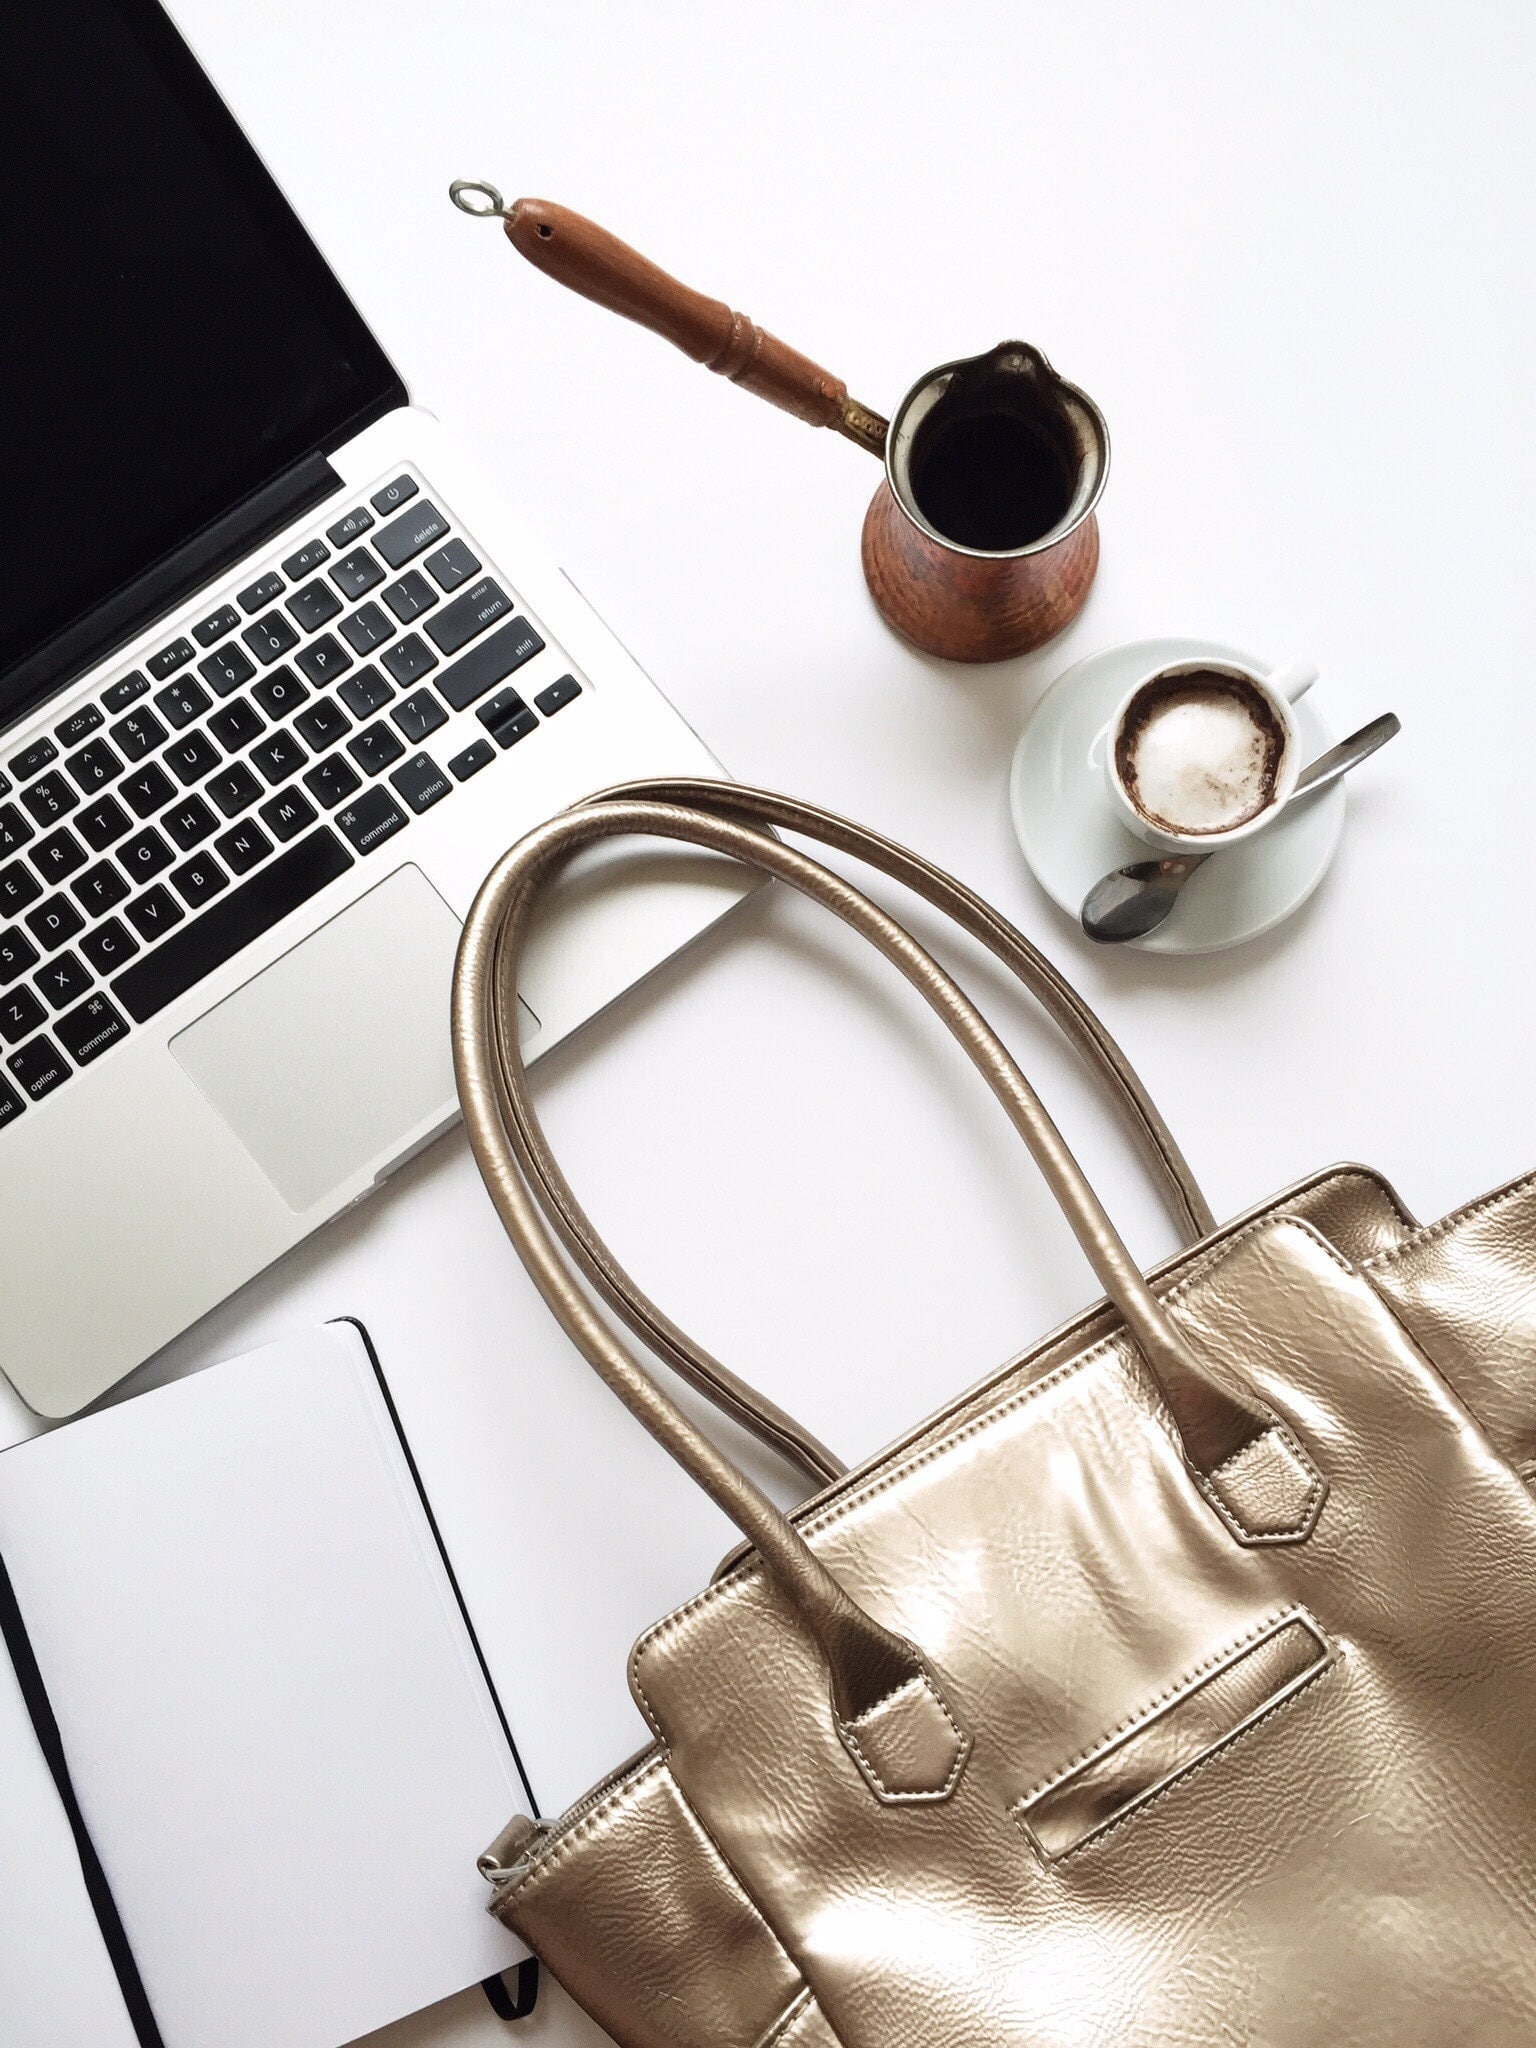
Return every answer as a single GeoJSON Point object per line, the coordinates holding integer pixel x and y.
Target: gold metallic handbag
{"type": "Point", "coordinates": [1174, 1688]}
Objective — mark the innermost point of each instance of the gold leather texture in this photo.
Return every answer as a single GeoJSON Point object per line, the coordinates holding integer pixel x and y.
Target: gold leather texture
{"type": "Point", "coordinates": [1177, 1685]}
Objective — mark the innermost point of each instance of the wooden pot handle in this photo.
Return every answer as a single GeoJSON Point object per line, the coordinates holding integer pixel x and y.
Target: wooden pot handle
{"type": "Point", "coordinates": [576, 252]}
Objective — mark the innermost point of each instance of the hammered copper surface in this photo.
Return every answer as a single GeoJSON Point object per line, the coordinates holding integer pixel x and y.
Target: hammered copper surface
{"type": "Point", "coordinates": [1321, 1827]}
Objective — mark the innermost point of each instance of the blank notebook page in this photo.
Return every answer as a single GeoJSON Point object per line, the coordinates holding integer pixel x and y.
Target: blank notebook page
{"type": "Point", "coordinates": [283, 1744]}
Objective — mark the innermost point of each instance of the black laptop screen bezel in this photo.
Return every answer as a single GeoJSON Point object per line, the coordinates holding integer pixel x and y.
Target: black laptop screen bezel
{"type": "Point", "coordinates": [375, 388]}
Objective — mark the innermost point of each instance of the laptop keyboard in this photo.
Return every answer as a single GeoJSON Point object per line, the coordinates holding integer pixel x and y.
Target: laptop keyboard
{"type": "Point", "coordinates": [257, 756]}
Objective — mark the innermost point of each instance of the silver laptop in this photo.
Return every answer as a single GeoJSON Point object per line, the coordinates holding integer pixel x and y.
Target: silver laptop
{"type": "Point", "coordinates": [280, 677]}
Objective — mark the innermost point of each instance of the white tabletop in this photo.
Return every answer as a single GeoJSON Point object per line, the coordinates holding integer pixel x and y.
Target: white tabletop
{"type": "Point", "coordinates": [1287, 250]}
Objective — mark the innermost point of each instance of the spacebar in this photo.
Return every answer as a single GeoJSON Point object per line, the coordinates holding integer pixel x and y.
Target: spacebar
{"type": "Point", "coordinates": [220, 933]}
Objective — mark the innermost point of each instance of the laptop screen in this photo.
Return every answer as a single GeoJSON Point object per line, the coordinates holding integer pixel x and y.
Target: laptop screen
{"type": "Point", "coordinates": [170, 338]}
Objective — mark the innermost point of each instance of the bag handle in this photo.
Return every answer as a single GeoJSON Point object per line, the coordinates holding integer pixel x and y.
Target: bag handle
{"type": "Point", "coordinates": [874, 1672]}
{"type": "Point", "coordinates": [1187, 1204]}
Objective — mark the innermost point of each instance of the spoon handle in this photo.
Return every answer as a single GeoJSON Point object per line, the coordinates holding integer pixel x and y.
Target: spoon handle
{"type": "Point", "coordinates": [1337, 761]}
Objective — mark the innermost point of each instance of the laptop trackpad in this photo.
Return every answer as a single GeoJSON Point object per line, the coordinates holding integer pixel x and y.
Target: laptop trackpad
{"type": "Point", "coordinates": [335, 1055]}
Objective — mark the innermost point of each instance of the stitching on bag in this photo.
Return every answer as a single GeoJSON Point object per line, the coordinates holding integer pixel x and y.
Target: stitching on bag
{"type": "Point", "coordinates": [750, 1569]}
{"type": "Point", "coordinates": [791, 2016]}
{"type": "Point", "coordinates": [1186, 1682]}
{"type": "Point", "coordinates": [1312, 1505]}
{"type": "Point", "coordinates": [623, 1794]}
{"type": "Point", "coordinates": [1428, 1233]}
{"type": "Point", "coordinates": [962, 1741]}
{"type": "Point", "coordinates": [1141, 1806]}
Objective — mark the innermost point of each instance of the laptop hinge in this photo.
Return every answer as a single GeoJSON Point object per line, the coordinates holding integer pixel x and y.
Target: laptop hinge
{"type": "Point", "coordinates": [170, 580]}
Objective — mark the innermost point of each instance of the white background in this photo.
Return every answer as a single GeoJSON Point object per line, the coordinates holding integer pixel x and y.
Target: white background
{"type": "Point", "coordinates": [1287, 250]}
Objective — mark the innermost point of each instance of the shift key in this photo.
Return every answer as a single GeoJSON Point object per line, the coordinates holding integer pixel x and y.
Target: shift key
{"type": "Point", "coordinates": [457, 623]}
{"type": "Point", "coordinates": [490, 661]}
{"type": "Point", "coordinates": [410, 533]}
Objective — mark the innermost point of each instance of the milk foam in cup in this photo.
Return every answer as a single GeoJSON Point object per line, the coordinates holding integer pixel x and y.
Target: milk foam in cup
{"type": "Point", "coordinates": [1203, 753]}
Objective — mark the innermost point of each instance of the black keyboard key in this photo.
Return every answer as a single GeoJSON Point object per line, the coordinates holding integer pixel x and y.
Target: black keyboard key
{"type": "Point", "coordinates": [189, 822]}
{"type": "Point", "coordinates": [261, 593]}
{"type": "Point", "coordinates": [507, 718]}
{"type": "Point", "coordinates": [147, 789]}
{"type": "Point", "coordinates": [457, 624]}
{"type": "Point", "coordinates": [237, 725]}
{"type": "Point", "coordinates": [288, 813]}
{"type": "Point", "coordinates": [199, 880]}
{"type": "Point", "coordinates": [410, 660]}
{"type": "Point", "coordinates": [18, 887]}
{"type": "Point", "coordinates": [394, 494]}
{"type": "Point", "coordinates": [191, 757]}
{"type": "Point", "coordinates": [374, 818]}
{"type": "Point", "coordinates": [270, 637]}
{"type": "Point", "coordinates": [235, 790]}
{"type": "Point", "coordinates": [323, 659]}
{"type": "Point", "coordinates": [558, 695]}
{"type": "Point", "coordinates": [169, 659]}
{"type": "Point", "coordinates": [11, 1104]}
{"type": "Point", "coordinates": [419, 715]}
{"type": "Point", "coordinates": [20, 1015]}
{"type": "Point", "coordinates": [410, 533]}
{"type": "Point", "coordinates": [54, 921]}
{"type": "Point", "coordinates": [347, 530]}
{"type": "Point", "coordinates": [226, 669]}
{"type": "Point", "coordinates": [314, 606]}
{"type": "Point", "coordinates": [216, 625]}
{"type": "Point", "coordinates": [323, 723]}
{"type": "Point", "coordinates": [34, 760]}
{"type": "Point", "coordinates": [365, 692]}
{"type": "Point", "coordinates": [138, 734]}
{"type": "Point", "coordinates": [280, 692]}
{"type": "Point", "coordinates": [366, 628]}
{"type": "Point", "coordinates": [452, 565]}
{"type": "Point", "coordinates": [49, 797]}
{"type": "Point", "coordinates": [332, 779]}
{"type": "Point", "coordinates": [357, 573]}
{"type": "Point", "coordinates": [94, 766]}
{"type": "Point", "coordinates": [14, 829]}
{"type": "Point", "coordinates": [474, 757]}
{"type": "Point", "coordinates": [121, 694]}
{"type": "Point", "coordinates": [63, 981]}
{"type": "Point", "coordinates": [489, 661]}
{"type": "Point", "coordinates": [100, 823]}
{"type": "Point", "coordinates": [145, 856]}
{"type": "Point", "coordinates": [375, 748]}
{"type": "Point", "coordinates": [182, 701]}
{"type": "Point", "coordinates": [421, 782]}
{"type": "Point", "coordinates": [58, 857]}
{"type": "Point", "coordinates": [39, 1067]}
{"type": "Point", "coordinates": [17, 954]}
{"type": "Point", "coordinates": [242, 846]}
{"type": "Point", "coordinates": [78, 726]}
{"type": "Point", "coordinates": [99, 889]}
{"type": "Point", "coordinates": [6, 785]}
{"type": "Point", "coordinates": [231, 924]}
{"type": "Point", "coordinates": [155, 912]}
{"type": "Point", "coordinates": [307, 560]}
{"type": "Point", "coordinates": [279, 757]}
{"type": "Point", "coordinates": [91, 1030]}
{"type": "Point", "coordinates": [412, 595]}
{"type": "Point", "coordinates": [110, 946]}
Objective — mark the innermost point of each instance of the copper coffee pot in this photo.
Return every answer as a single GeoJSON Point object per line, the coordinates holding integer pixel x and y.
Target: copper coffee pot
{"type": "Point", "coordinates": [981, 542]}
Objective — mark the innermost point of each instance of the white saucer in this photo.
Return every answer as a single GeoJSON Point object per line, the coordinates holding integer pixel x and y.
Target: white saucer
{"type": "Point", "coordinates": [1071, 836]}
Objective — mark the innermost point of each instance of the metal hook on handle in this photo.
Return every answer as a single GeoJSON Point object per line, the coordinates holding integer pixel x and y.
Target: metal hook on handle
{"type": "Point", "coordinates": [460, 190]}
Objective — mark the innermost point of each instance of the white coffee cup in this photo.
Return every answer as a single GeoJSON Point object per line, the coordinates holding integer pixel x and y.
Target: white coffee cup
{"type": "Point", "coordinates": [1279, 690]}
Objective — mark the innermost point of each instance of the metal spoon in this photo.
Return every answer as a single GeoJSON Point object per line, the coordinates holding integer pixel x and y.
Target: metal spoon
{"type": "Point", "coordinates": [1134, 900]}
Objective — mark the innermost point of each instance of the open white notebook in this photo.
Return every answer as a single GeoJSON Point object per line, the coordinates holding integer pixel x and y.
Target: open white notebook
{"type": "Point", "coordinates": [281, 1739]}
